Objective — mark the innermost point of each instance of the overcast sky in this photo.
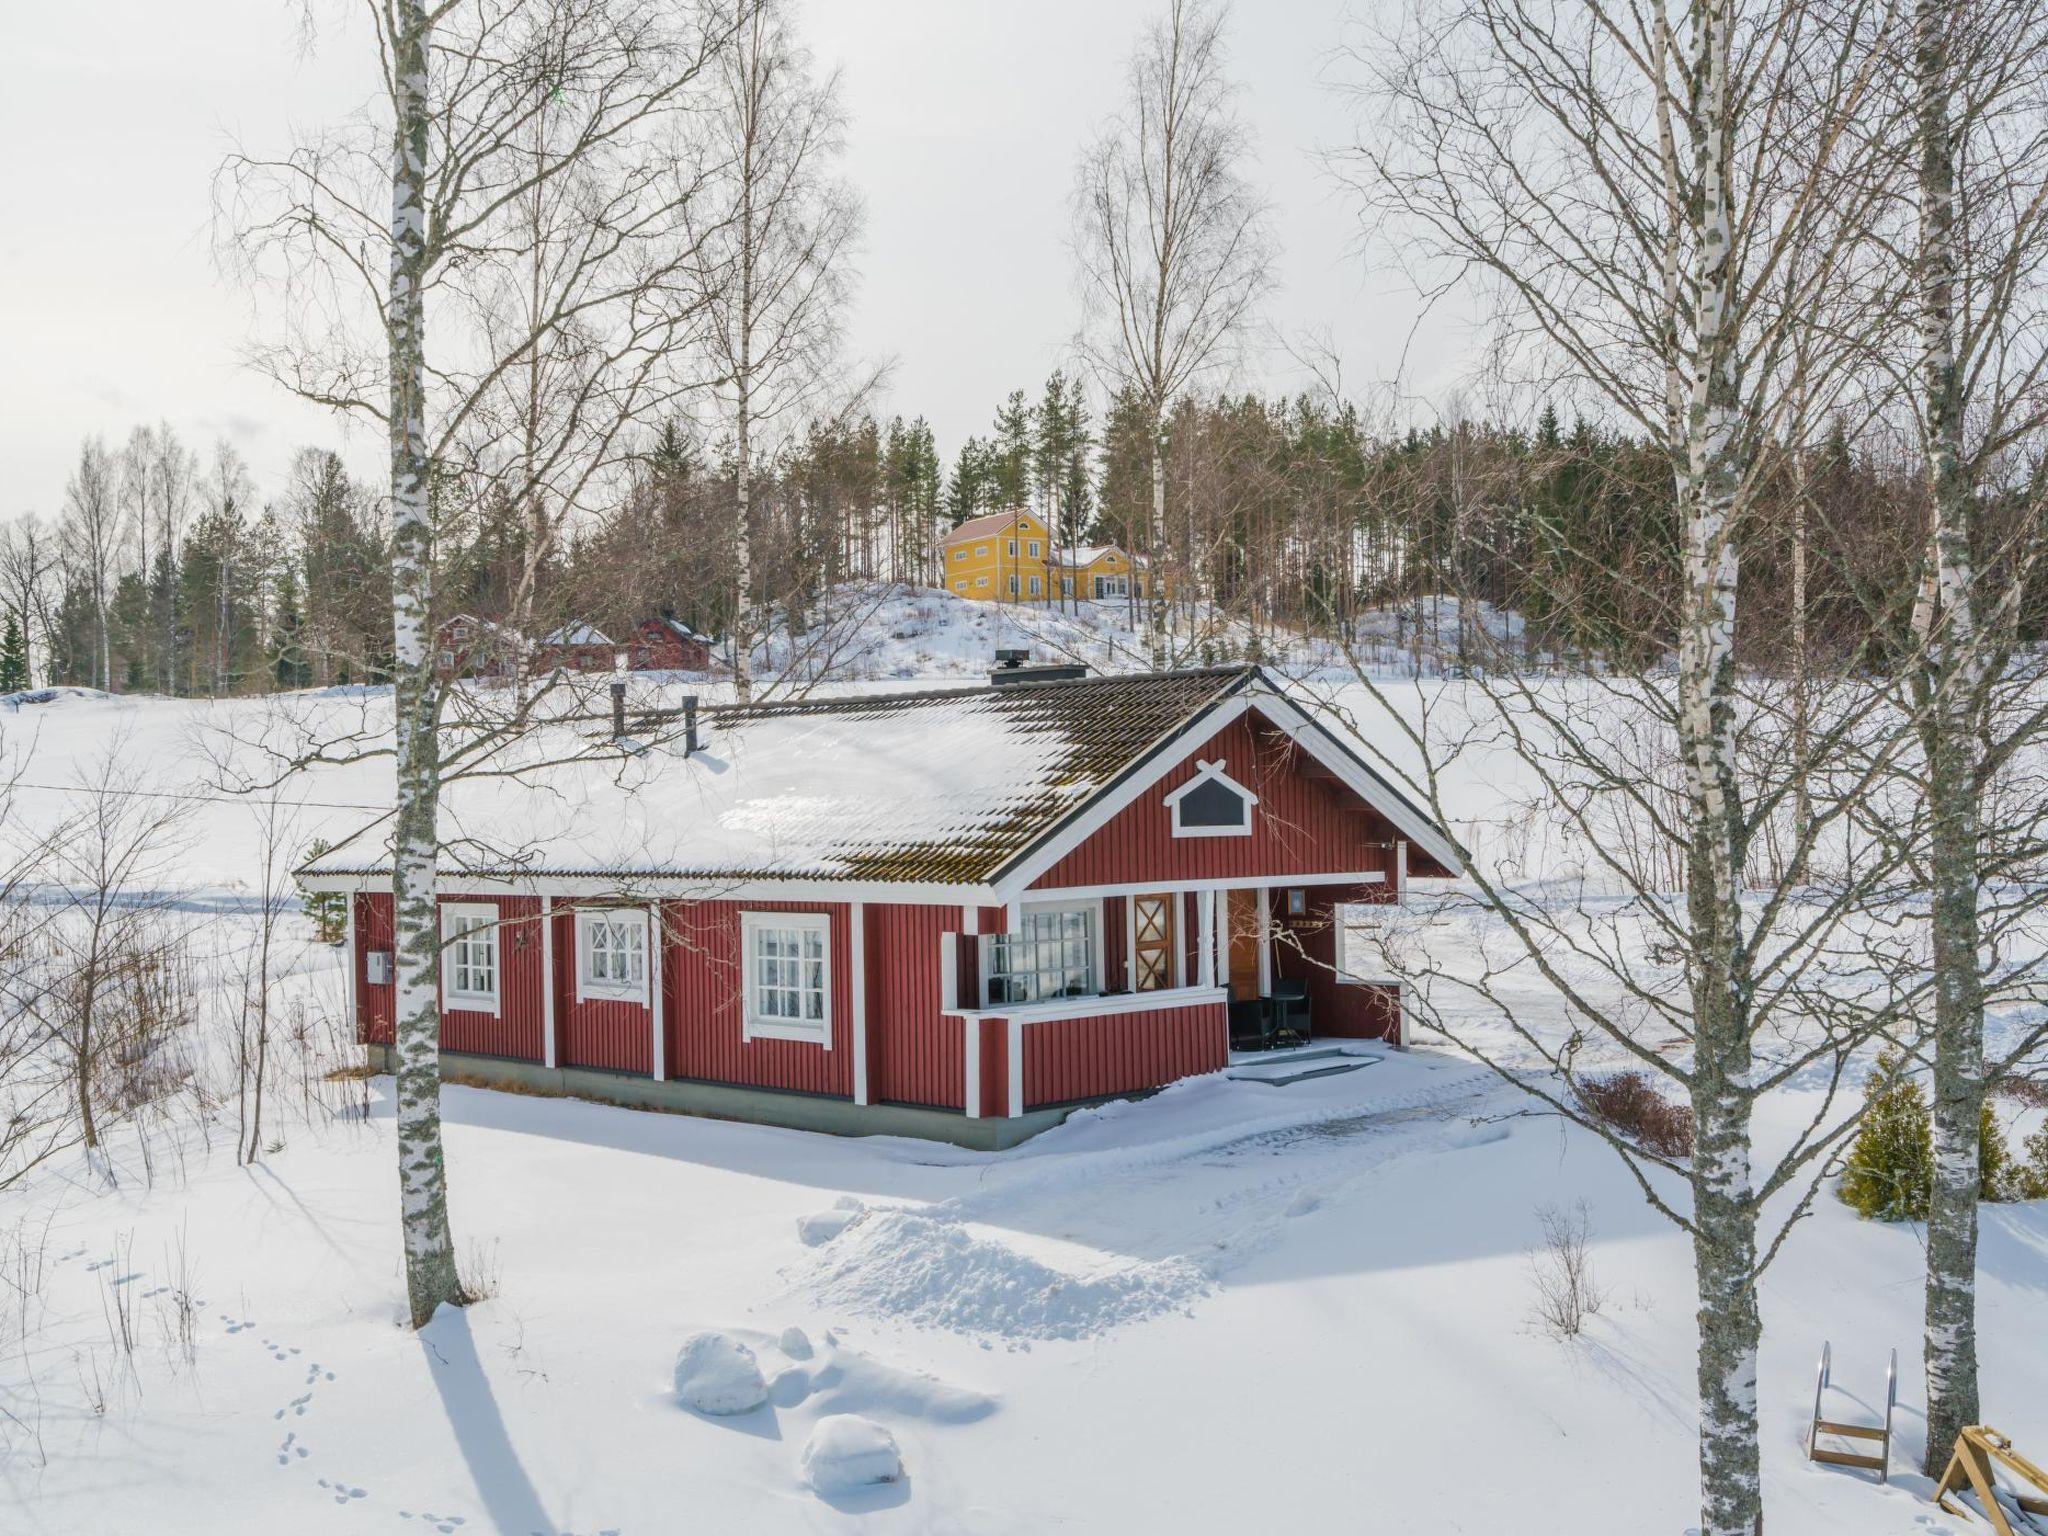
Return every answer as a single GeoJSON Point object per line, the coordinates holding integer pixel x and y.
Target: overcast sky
{"type": "Point", "coordinates": [966, 118]}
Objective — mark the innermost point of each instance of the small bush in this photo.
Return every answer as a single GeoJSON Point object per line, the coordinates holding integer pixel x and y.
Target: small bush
{"type": "Point", "coordinates": [1891, 1166]}
{"type": "Point", "coordinates": [1994, 1158]}
{"type": "Point", "coordinates": [1629, 1103]}
{"type": "Point", "coordinates": [1562, 1270]}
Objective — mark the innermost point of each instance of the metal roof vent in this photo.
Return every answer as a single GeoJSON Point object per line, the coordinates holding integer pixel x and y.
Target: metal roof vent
{"type": "Point", "coordinates": [1014, 666]}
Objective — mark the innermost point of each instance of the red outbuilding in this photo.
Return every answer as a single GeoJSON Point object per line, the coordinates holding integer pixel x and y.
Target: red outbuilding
{"type": "Point", "coordinates": [575, 648]}
{"type": "Point", "coordinates": [666, 644]}
{"type": "Point", "coordinates": [955, 914]}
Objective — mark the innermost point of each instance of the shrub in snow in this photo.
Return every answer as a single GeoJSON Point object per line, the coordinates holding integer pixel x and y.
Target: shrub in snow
{"type": "Point", "coordinates": [1629, 1103]}
{"type": "Point", "coordinates": [847, 1452]}
{"type": "Point", "coordinates": [1994, 1159]}
{"type": "Point", "coordinates": [1891, 1166]}
{"type": "Point", "coordinates": [1566, 1292]}
{"type": "Point", "coordinates": [717, 1374]}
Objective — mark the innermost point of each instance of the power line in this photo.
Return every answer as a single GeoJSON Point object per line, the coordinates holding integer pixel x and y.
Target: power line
{"type": "Point", "coordinates": [174, 794]}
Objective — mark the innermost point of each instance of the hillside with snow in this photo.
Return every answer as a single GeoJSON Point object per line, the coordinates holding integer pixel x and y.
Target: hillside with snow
{"type": "Point", "coordinates": [1238, 1304]}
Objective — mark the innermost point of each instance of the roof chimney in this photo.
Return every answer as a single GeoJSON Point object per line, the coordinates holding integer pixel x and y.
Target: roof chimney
{"type": "Point", "coordinates": [1015, 667]}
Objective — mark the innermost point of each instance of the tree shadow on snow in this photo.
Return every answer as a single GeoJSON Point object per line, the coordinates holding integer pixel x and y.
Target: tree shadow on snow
{"type": "Point", "coordinates": [487, 1450]}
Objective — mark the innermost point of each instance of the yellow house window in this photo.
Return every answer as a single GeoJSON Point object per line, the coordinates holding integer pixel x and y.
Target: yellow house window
{"type": "Point", "coordinates": [1032, 548]}
{"type": "Point", "coordinates": [1034, 586]}
{"type": "Point", "coordinates": [1013, 586]}
{"type": "Point", "coordinates": [959, 554]}
{"type": "Point", "coordinates": [981, 581]}
{"type": "Point", "coordinates": [959, 586]}
{"type": "Point", "coordinates": [980, 551]}
{"type": "Point", "coordinates": [1013, 546]}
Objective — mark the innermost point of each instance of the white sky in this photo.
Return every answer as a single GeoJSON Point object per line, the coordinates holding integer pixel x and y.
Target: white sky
{"type": "Point", "coordinates": [967, 116]}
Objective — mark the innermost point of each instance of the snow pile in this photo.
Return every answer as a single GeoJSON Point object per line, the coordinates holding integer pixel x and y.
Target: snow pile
{"type": "Point", "coordinates": [717, 1374]}
{"type": "Point", "coordinates": [847, 1452]}
{"type": "Point", "coordinates": [822, 1226]}
{"type": "Point", "coordinates": [934, 1273]}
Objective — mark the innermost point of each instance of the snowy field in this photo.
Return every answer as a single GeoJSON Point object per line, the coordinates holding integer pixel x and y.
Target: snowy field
{"type": "Point", "coordinates": [1230, 1307]}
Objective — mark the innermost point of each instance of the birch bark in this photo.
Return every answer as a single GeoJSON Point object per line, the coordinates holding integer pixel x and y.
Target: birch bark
{"type": "Point", "coordinates": [430, 1277]}
{"type": "Point", "coordinates": [1723, 1185]}
{"type": "Point", "coordinates": [1945, 625]}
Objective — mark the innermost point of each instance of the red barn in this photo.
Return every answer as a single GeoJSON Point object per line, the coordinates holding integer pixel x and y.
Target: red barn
{"type": "Point", "coordinates": [955, 914]}
{"type": "Point", "coordinates": [467, 646]}
{"type": "Point", "coordinates": [665, 644]}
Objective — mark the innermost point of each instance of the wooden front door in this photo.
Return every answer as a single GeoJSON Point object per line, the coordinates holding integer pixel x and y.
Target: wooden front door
{"type": "Point", "coordinates": [1241, 914]}
{"type": "Point", "coordinates": [1152, 942]}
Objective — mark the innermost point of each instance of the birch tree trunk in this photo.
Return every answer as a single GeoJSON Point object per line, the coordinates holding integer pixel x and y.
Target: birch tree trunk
{"type": "Point", "coordinates": [1723, 1187]}
{"type": "Point", "coordinates": [1945, 622]}
{"type": "Point", "coordinates": [1156, 538]}
{"type": "Point", "coordinates": [430, 1276]}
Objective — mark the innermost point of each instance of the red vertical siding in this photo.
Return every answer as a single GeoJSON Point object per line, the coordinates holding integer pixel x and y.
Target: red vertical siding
{"type": "Point", "coordinates": [1305, 949]}
{"type": "Point", "coordinates": [1069, 1059]}
{"type": "Point", "coordinates": [1304, 823]}
{"type": "Point", "coordinates": [376, 1007]}
{"type": "Point", "coordinates": [515, 1029]}
{"type": "Point", "coordinates": [704, 1004]}
{"type": "Point", "coordinates": [599, 1032]}
{"type": "Point", "coordinates": [995, 1066]}
{"type": "Point", "coordinates": [1115, 919]}
{"type": "Point", "coordinates": [915, 1056]}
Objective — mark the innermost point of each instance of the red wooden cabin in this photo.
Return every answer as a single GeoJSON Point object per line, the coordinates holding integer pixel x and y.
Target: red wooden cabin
{"type": "Point", "coordinates": [954, 914]}
{"type": "Point", "coordinates": [467, 646]}
{"type": "Point", "coordinates": [665, 644]}
{"type": "Point", "coordinates": [575, 648]}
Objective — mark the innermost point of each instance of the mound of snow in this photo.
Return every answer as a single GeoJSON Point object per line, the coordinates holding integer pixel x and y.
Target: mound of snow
{"type": "Point", "coordinates": [823, 1226]}
{"type": "Point", "coordinates": [717, 1374]}
{"type": "Point", "coordinates": [847, 1452]}
{"type": "Point", "coordinates": [933, 1272]}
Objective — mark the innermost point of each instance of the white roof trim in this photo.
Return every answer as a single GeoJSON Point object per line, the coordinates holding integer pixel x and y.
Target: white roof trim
{"type": "Point", "coordinates": [676, 888]}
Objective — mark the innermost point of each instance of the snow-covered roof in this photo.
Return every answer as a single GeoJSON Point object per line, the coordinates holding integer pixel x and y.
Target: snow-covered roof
{"type": "Point", "coordinates": [577, 634]}
{"type": "Point", "coordinates": [979, 527]}
{"type": "Point", "coordinates": [1088, 554]}
{"type": "Point", "coordinates": [950, 788]}
{"type": "Point", "coordinates": [663, 621]}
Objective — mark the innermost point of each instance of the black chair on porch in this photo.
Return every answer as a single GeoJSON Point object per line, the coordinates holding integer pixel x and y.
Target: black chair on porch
{"type": "Point", "coordinates": [1287, 1012]}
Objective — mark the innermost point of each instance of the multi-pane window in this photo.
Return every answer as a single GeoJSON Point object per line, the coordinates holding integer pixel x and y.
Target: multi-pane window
{"type": "Point", "coordinates": [469, 955]}
{"type": "Point", "coordinates": [1035, 588]}
{"type": "Point", "coordinates": [1033, 548]}
{"type": "Point", "coordinates": [1052, 954]}
{"type": "Point", "coordinates": [789, 975]}
{"type": "Point", "coordinates": [614, 952]}
{"type": "Point", "coordinates": [1112, 586]}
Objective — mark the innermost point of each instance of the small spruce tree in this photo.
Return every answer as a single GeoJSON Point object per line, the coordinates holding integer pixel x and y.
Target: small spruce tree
{"type": "Point", "coordinates": [2029, 1179]}
{"type": "Point", "coordinates": [1891, 1166]}
{"type": "Point", "coordinates": [13, 657]}
{"type": "Point", "coordinates": [1994, 1159]}
{"type": "Point", "coordinates": [327, 909]}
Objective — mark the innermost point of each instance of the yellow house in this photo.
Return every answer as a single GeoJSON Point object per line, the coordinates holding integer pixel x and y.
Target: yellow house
{"type": "Point", "coordinates": [1009, 557]}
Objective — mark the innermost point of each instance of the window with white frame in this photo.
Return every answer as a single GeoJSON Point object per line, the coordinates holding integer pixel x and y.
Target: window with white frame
{"type": "Point", "coordinates": [1013, 547]}
{"type": "Point", "coordinates": [1360, 928]}
{"type": "Point", "coordinates": [1052, 953]}
{"type": "Point", "coordinates": [469, 956]}
{"type": "Point", "coordinates": [789, 976]}
{"type": "Point", "coordinates": [611, 953]}
{"type": "Point", "coordinates": [959, 555]}
{"type": "Point", "coordinates": [1112, 586]}
{"type": "Point", "coordinates": [1033, 549]}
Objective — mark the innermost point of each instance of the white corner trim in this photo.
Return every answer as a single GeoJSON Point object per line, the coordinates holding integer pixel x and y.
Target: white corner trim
{"type": "Point", "coordinates": [754, 1026]}
{"type": "Point", "coordinates": [547, 981]}
{"type": "Point", "coordinates": [970, 1058]}
{"type": "Point", "coordinates": [857, 977]}
{"type": "Point", "coordinates": [1015, 1031]}
{"type": "Point", "coordinates": [348, 932]}
{"type": "Point", "coordinates": [656, 1020]}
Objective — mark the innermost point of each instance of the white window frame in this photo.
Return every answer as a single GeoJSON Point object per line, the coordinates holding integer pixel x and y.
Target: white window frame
{"type": "Point", "coordinates": [981, 581]}
{"type": "Point", "coordinates": [1013, 549]}
{"type": "Point", "coordinates": [960, 585]}
{"type": "Point", "coordinates": [1108, 587]}
{"type": "Point", "coordinates": [1013, 586]}
{"type": "Point", "coordinates": [591, 988]}
{"type": "Point", "coordinates": [959, 555]}
{"type": "Point", "coordinates": [478, 915]}
{"type": "Point", "coordinates": [1339, 960]}
{"type": "Point", "coordinates": [981, 551]}
{"type": "Point", "coordinates": [757, 1026]}
{"type": "Point", "coordinates": [1095, 956]}
{"type": "Point", "coordinates": [1208, 773]}
{"type": "Point", "coordinates": [1066, 586]}
{"type": "Point", "coordinates": [1033, 548]}
{"type": "Point", "coordinates": [1036, 588]}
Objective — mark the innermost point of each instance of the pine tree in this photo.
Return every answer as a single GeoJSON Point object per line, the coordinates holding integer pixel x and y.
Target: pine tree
{"type": "Point", "coordinates": [288, 665]}
{"type": "Point", "coordinates": [1994, 1158]}
{"type": "Point", "coordinates": [1891, 1167]}
{"type": "Point", "coordinates": [13, 658]}
{"type": "Point", "coordinates": [2029, 1180]}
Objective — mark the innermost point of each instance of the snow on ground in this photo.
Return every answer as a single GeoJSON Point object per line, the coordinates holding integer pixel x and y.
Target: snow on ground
{"type": "Point", "coordinates": [1231, 1306]}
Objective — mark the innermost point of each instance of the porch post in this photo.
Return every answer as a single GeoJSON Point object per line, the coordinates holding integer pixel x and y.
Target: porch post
{"type": "Point", "coordinates": [547, 981]}
{"type": "Point", "coordinates": [1205, 938]}
{"type": "Point", "coordinates": [655, 989]}
{"type": "Point", "coordinates": [1264, 898]}
{"type": "Point", "coordinates": [1015, 1076]}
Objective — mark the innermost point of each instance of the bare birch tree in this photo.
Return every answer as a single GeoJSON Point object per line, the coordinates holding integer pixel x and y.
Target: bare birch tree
{"type": "Point", "coordinates": [1170, 239]}
{"type": "Point", "coordinates": [1978, 147]}
{"type": "Point", "coordinates": [1660, 203]}
{"type": "Point", "coordinates": [519, 168]}
{"type": "Point", "coordinates": [775, 238]}
{"type": "Point", "coordinates": [90, 536]}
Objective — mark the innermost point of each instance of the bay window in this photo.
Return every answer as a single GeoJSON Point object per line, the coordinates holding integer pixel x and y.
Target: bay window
{"type": "Point", "coordinates": [1054, 952]}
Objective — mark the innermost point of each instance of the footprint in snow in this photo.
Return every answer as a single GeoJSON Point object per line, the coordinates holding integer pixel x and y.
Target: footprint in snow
{"type": "Point", "coordinates": [343, 1493]}
{"type": "Point", "coordinates": [445, 1524]}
